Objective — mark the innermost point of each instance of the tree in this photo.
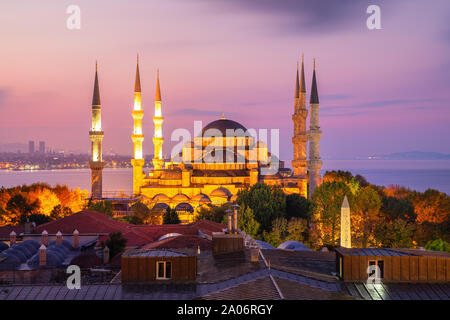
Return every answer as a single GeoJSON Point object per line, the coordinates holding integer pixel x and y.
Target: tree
{"type": "Point", "coordinates": [267, 203]}
{"type": "Point", "coordinates": [298, 206]}
{"type": "Point", "coordinates": [116, 243]}
{"type": "Point", "coordinates": [328, 198]}
{"type": "Point", "coordinates": [213, 213]}
{"type": "Point", "coordinates": [283, 230]}
{"type": "Point", "coordinates": [366, 204]}
{"type": "Point", "coordinates": [171, 217]}
{"type": "Point", "coordinates": [278, 233]}
{"type": "Point", "coordinates": [141, 213]}
{"type": "Point", "coordinates": [18, 205]}
{"type": "Point", "coordinates": [397, 208]}
{"type": "Point", "coordinates": [297, 230]}
{"type": "Point", "coordinates": [47, 199]}
{"type": "Point", "coordinates": [396, 234]}
{"type": "Point", "coordinates": [37, 218]}
{"type": "Point", "coordinates": [345, 177]}
{"type": "Point", "coordinates": [438, 245]}
{"type": "Point", "coordinates": [247, 222]}
{"type": "Point", "coordinates": [59, 212]}
{"type": "Point", "coordinates": [105, 207]}
{"type": "Point", "coordinates": [431, 206]}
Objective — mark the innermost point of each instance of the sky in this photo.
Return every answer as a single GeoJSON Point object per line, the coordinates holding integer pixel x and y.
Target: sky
{"type": "Point", "coordinates": [381, 91]}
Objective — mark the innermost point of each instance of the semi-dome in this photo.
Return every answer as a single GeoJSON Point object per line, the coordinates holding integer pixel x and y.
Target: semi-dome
{"type": "Point", "coordinates": [161, 198]}
{"type": "Point", "coordinates": [221, 192]}
{"type": "Point", "coordinates": [222, 125]}
{"type": "Point", "coordinates": [180, 197]}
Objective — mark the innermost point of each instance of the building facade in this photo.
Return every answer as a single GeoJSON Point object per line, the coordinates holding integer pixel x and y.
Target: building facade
{"type": "Point", "coordinates": [223, 159]}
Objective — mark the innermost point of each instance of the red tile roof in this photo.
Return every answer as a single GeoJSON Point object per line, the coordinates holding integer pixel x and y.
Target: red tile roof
{"type": "Point", "coordinates": [6, 230]}
{"type": "Point", "coordinates": [181, 242]}
{"type": "Point", "coordinates": [85, 222]}
{"type": "Point", "coordinates": [137, 235]}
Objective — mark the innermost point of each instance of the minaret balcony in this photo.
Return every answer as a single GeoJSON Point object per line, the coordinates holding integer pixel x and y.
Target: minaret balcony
{"type": "Point", "coordinates": [137, 137]}
{"type": "Point", "coordinates": [137, 114]}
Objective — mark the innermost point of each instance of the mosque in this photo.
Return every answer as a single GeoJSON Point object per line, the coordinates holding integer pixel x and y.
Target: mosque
{"type": "Point", "coordinates": [217, 163]}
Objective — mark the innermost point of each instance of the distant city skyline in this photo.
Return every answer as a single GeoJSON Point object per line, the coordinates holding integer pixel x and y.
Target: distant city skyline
{"type": "Point", "coordinates": [382, 91]}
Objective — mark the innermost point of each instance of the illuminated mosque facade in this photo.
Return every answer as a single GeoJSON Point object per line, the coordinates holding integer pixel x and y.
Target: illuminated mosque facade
{"type": "Point", "coordinates": [217, 163]}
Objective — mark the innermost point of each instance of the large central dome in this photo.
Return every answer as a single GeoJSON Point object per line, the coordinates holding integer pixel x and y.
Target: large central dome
{"type": "Point", "coordinates": [223, 125]}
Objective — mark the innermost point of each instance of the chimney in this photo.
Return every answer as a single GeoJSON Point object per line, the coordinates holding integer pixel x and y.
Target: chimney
{"type": "Point", "coordinates": [229, 222]}
{"type": "Point", "coordinates": [235, 220]}
{"type": "Point", "coordinates": [59, 237]}
{"type": "Point", "coordinates": [44, 238]}
{"type": "Point", "coordinates": [12, 238]}
{"type": "Point", "coordinates": [28, 227]}
{"type": "Point", "coordinates": [106, 255]}
{"type": "Point", "coordinates": [42, 255]}
{"type": "Point", "coordinates": [75, 239]}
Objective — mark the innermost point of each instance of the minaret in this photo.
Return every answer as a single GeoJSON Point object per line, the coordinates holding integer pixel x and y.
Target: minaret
{"type": "Point", "coordinates": [96, 135]}
{"type": "Point", "coordinates": [158, 161]}
{"type": "Point", "coordinates": [300, 136]}
{"type": "Point", "coordinates": [314, 163]}
{"type": "Point", "coordinates": [137, 137]}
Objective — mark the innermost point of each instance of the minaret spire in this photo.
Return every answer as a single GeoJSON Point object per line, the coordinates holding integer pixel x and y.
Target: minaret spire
{"type": "Point", "coordinates": [314, 162]}
{"type": "Point", "coordinates": [96, 95]}
{"type": "Point", "coordinates": [314, 99]}
{"type": "Point", "coordinates": [158, 90]}
{"type": "Point", "coordinates": [96, 136]}
{"type": "Point", "coordinates": [137, 83]}
{"type": "Point", "coordinates": [297, 86]}
{"type": "Point", "coordinates": [303, 83]}
{"type": "Point", "coordinates": [299, 139]}
{"type": "Point", "coordinates": [158, 161]}
{"type": "Point", "coordinates": [137, 137]}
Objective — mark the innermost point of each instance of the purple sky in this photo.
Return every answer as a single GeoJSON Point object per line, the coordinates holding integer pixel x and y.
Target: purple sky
{"type": "Point", "coordinates": [381, 91]}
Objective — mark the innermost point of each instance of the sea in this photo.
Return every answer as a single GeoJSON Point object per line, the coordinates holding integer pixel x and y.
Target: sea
{"type": "Point", "coordinates": [418, 175]}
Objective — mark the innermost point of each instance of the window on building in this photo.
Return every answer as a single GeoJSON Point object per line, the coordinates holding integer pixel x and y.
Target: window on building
{"type": "Point", "coordinates": [163, 270]}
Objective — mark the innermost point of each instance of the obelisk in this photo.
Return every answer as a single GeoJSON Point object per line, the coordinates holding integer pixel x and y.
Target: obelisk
{"type": "Point", "coordinates": [346, 238]}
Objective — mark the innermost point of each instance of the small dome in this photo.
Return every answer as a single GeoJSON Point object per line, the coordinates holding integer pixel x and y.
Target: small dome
{"type": "Point", "coordinates": [201, 198]}
{"type": "Point", "coordinates": [293, 245]}
{"type": "Point", "coordinates": [169, 235]}
{"type": "Point", "coordinates": [264, 245]}
{"type": "Point", "coordinates": [19, 254]}
{"type": "Point", "coordinates": [223, 125]}
{"type": "Point", "coordinates": [12, 262]}
{"type": "Point", "coordinates": [180, 197]}
{"type": "Point", "coordinates": [24, 249]}
{"type": "Point", "coordinates": [221, 192]}
{"type": "Point", "coordinates": [3, 246]}
{"type": "Point", "coordinates": [161, 198]}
